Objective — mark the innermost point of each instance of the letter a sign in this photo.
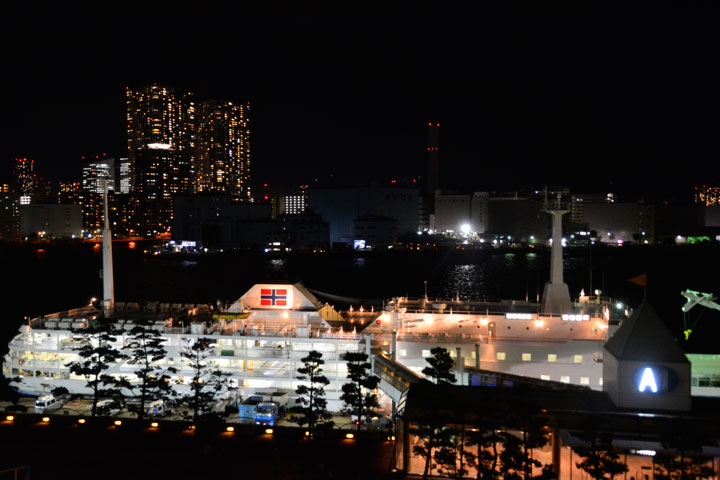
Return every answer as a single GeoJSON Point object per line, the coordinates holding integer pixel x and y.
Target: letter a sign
{"type": "Point", "coordinates": [648, 380]}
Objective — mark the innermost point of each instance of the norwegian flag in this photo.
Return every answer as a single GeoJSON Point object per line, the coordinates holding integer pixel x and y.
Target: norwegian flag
{"type": "Point", "coordinates": [273, 297]}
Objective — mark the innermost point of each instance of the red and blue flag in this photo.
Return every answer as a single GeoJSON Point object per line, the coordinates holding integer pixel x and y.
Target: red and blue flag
{"type": "Point", "coordinates": [273, 297]}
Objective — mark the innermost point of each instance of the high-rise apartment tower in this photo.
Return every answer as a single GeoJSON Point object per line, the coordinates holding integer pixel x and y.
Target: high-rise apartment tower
{"type": "Point", "coordinates": [223, 149]}
{"type": "Point", "coordinates": [161, 149]}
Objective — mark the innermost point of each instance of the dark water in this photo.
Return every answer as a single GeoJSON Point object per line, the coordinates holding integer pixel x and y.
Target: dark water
{"type": "Point", "coordinates": [53, 278]}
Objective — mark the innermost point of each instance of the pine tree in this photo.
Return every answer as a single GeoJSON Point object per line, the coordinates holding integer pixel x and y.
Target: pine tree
{"type": "Point", "coordinates": [358, 395]}
{"type": "Point", "coordinates": [598, 458]}
{"type": "Point", "coordinates": [431, 430]}
{"type": "Point", "coordinates": [670, 467]}
{"type": "Point", "coordinates": [454, 460]}
{"type": "Point", "coordinates": [488, 440]}
{"type": "Point", "coordinates": [208, 384]}
{"type": "Point", "coordinates": [97, 354]}
{"type": "Point", "coordinates": [440, 369]}
{"type": "Point", "coordinates": [153, 381]}
{"type": "Point", "coordinates": [312, 408]}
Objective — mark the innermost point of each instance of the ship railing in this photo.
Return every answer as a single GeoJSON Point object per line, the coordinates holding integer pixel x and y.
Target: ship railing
{"type": "Point", "coordinates": [270, 353]}
{"type": "Point", "coordinates": [435, 337]}
{"type": "Point", "coordinates": [45, 364]}
{"type": "Point", "coordinates": [176, 330]}
{"type": "Point", "coordinates": [257, 352]}
{"type": "Point", "coordinates": [345, 336]}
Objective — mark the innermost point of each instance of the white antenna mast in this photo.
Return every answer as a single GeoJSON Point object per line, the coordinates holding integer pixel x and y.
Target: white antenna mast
{"type": "Point", "coordinates": [108, 286]}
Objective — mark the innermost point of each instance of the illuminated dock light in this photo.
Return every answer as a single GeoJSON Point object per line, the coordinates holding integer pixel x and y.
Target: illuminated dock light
{"type": "Point", "coordinates": [350, 435]}
{"type": "Point", "coordinates": [154, 424]}
{"type": "Point", "coordinates": [230, 429]}
{"type": "Point", "coordinates": [81, 421]}
{"type": "Point", "coordinates": [46, 419]}
{"type": "Point", "coordinates": [269, 431]}
{"type": "Point", "coordinates": [10, 418]}
{"type": "Point", "coordinates": [518, 316]}
{"type": "Point", "coordinates": [645, 453]}
{"type": "Point", "coordinates": [539, 323]}
{"type": "Point", "coordinates": [117, 423]}
{"type": "Point", "coordinates": [307, 433]}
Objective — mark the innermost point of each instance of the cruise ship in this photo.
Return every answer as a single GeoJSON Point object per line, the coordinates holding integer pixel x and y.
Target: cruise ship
{"type": "Point", "coordinates": [261, 337]}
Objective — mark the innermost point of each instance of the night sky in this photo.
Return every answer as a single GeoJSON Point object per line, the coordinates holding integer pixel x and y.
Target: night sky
{"type": "Point", "coordinates": [598, 100]}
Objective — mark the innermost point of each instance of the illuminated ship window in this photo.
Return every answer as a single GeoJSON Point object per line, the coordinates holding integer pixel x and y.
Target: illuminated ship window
{"type": "Point", "coordinates": [426, 353]}
{"type": "Point", "coordinates": [500, 355]}
{"type": "Point", "coordinates": [578, 358]}
{"type": "Point", "coordinates": [526, 357]}
{"type": "Point", "coordinates": [552, 357]}
{"type": "Point", "coordinates": [544, 377]}
{"type": "Point", "coordinates": [565, 379]}
{"type": "Point", "coordinates": [584, 380]}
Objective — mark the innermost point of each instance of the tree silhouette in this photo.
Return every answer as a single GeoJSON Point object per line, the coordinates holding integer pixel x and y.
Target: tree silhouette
{"type": "Point", "coordinates": [684, 437]}
{"type": "Point", "coordinates": [97, 354]}
{"type": "Point", "coordinates": [208, 383]}
{"type": "Point", "coordinates": [454, 460]}
{"type": "Point", "coordinates": [672, 467]}
{"type": "Point", "coordinates": [488, 440]}
{"type": "Point", "coordinates": [358, 395]}
{"type": "Point", "coordinates": [434, 435]}
{"type": "Point", "coordinates": [598, 458]}
{"type": "Point", "coordinates": [312, 408]}
{"type": "Point", "coordinates": [441, 364]}
{"type": "Point", "coordinates": [152, 381]}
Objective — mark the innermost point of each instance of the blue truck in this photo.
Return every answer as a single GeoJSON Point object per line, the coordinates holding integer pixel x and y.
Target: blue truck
{"type": "Point", "coordinates": [264, 408]}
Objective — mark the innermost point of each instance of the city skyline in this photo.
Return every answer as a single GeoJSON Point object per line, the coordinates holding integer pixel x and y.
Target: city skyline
{"type": "Point", "coordinates": [591, 100]}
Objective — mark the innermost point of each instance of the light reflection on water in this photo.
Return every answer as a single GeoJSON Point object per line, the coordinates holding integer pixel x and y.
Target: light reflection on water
{"type": "Point", "coordinates": [276, 265]}
{"type": "Point", "coordinates": [464, 281]}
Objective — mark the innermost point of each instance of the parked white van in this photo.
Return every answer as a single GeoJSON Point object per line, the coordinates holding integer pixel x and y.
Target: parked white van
{"type": "Point", "coordinates": [107, 407]}
{"type": "Point", "coordinates": [156, 409]}
{"type": "Point", "coordinates": [47, 402]}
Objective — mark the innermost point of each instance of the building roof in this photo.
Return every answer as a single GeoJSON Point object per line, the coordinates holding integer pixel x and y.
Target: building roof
{"type": "Point", "coordinates": [644, 337]}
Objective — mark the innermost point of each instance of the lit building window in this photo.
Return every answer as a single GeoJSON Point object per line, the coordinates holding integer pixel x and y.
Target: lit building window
{"type": "Point", "coordinates": [544, 377]}
{"type": "Point", "coordinates": [426, 353]}
{"type": "Point", "coordinates": [500, 355]}
{"type": "Point", "coordinates": [552, 357]}
{"type": "Point", "coordinates": [526, 357]}
{"type": "Point", "coordinates": [578, 358]}
{"type": "Point", "coordinates": [584, 380]}
{"type": "Point", "coordinates": [403, 353]}
{"type": "Point", "coordinates": [565, 379]}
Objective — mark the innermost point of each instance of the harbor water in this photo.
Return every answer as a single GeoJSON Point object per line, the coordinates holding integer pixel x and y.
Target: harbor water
{"type": "Point", "coordinates": [41, 279]}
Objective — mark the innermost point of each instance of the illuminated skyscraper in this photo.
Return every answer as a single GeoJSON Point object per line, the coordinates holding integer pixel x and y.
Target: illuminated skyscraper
{"type": "Point", "coordinates": [125, 176]}
{"type": "Point", "coordinates": [223, 153]}
{"type": "Point", "coordinates": [161, 145]}
{"type": "Point", "coordinates": [708, 196]}
{"type": "Point", "coordinates": [25, 181]}
{"type": "Point", "coordinates": [94, 174]}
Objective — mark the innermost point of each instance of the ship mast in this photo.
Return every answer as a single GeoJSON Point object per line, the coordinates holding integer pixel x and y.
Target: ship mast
{"type": "Point", "coordinates": [108, 302]}
{"type": "Point", "coordinates": [556, 297]}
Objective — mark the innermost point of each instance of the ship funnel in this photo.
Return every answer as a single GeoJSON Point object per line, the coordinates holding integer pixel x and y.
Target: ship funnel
{"type": "Point", "coordinates": [108, 286]}
{"type": "Point", "coordinates": [556, 296]}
